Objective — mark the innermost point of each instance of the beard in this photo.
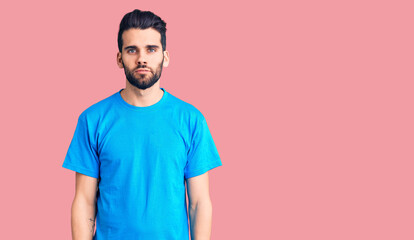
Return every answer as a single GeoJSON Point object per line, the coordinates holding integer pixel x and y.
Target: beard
{"type": "Point", "coordinates": [143, 81]}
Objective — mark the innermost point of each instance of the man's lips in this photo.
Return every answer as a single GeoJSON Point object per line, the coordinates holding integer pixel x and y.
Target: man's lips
{"type": "Point", "coordinates": [141, 70]}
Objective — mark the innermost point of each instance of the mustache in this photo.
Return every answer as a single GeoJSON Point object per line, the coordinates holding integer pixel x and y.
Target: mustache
{"type": "Point", "coordinates": [141, 66]}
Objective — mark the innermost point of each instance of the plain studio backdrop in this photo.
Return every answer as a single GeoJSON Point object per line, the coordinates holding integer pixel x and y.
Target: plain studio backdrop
{"type": "Point", "coordinates": [310, 104]}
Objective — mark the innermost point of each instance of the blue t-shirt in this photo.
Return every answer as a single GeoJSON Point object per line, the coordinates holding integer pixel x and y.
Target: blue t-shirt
{"type": "Point", "coordinates": [141, 156]}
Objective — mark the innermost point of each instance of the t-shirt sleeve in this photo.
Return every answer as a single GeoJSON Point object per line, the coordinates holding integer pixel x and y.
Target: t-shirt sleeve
{"type": "Point", "coordinates": [202, 155]}
{"type": "Point", "coordinates": [82, 154]}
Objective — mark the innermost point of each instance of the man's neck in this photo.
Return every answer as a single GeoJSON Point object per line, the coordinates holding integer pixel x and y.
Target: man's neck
{"type": "Point", "coordinates": [142, 97]}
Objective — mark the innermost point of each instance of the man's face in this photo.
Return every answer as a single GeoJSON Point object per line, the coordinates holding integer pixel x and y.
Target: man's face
{"type": "Point", "coordinates": [142, 57]}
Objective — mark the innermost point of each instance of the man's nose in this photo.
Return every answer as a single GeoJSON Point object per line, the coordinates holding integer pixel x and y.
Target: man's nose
{"type": "Point", "coordinates": [141, 60]}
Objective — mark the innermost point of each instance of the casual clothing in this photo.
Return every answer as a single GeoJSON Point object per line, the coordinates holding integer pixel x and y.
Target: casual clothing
{"type": "Point", "coordinates": [141, 156]}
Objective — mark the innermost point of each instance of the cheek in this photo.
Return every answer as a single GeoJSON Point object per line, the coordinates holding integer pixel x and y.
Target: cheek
{"type": "Point", "coordinates": [156, 58]}
{"type": "Point", "coordinates": [129, 62]}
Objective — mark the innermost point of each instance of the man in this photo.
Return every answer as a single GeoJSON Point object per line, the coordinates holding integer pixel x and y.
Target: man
{"type": "Point", "coordinates": [136, 151]}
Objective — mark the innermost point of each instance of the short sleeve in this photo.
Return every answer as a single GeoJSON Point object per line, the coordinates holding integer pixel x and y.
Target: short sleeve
{"type": "Point", "coordinates": [82, 154]}
{"type": "Point", "coordinates": [202, 155]}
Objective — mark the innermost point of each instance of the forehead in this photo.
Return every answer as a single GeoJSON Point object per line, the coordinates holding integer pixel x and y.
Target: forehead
{"type": "Point", "coordinates": [141, 37]}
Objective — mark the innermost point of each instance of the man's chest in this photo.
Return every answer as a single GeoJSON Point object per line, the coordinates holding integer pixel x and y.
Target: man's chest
{"type": "Point", "coordinates": [150, 144]}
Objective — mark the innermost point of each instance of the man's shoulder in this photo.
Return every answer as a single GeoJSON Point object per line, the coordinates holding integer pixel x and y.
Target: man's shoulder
{"type": "Point", "coordinates": [98, 108]}
{"type": "Point", "coordinates": [183, 107]}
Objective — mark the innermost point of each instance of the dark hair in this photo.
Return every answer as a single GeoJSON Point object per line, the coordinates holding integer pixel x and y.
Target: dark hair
{"type": "Point", "coordinates": [142, 20]}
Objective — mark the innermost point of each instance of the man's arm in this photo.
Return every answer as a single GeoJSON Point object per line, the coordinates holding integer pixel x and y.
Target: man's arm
{"type": "Point", "coordinates": [200, 207]}
{"type": "Point", "coordinates": [83, 207]}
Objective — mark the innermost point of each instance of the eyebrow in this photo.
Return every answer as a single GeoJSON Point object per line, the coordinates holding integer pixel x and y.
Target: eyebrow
{"type": "Point", "coordinates": [147, 46]}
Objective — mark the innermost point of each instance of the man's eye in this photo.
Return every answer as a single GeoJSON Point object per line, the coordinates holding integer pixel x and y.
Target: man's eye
{"type": "Point", "coordinates": [152, 50]}
{"type": "Point", "coordinates": [130, 50]}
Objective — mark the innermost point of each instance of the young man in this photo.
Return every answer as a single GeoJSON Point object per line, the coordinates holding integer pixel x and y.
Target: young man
{"type": "Point", "coordinates": [135, 151]}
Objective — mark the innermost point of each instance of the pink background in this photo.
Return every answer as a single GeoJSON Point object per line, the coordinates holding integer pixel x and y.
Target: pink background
{"type": "Point", "coordinates": [310, 104]}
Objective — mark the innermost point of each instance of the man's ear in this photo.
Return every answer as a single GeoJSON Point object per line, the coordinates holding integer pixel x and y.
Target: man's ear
{"type": "Point", "coordinates": [119, 60]}
{"type": "Point", "coordinates": [166, 59]}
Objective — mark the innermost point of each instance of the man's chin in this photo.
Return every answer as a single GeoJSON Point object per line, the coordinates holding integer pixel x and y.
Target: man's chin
{"type": "Point", "coordinates": [142, 78]}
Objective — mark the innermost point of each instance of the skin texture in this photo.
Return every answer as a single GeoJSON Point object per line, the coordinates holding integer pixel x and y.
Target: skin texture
{"type": "Point", "coordinates": [83, 207]}
{"type": "Point", "coordinates": [200, 207]}
{"type": "Point", "coordinates": [142, 89]}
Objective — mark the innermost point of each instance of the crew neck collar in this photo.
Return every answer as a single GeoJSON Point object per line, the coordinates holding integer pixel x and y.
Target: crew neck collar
{"type": "Point", "coordinates": [147, 108]}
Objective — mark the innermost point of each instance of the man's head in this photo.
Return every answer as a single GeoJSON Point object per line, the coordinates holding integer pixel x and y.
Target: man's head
{"type": "Point", "coordinates": [142, 20]}
{"type": "Point", "coordinates": [141, 45]}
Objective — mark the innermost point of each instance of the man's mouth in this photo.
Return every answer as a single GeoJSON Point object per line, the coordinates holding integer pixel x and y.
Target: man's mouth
{"type": "Point", "coordinates": [142, 70]}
